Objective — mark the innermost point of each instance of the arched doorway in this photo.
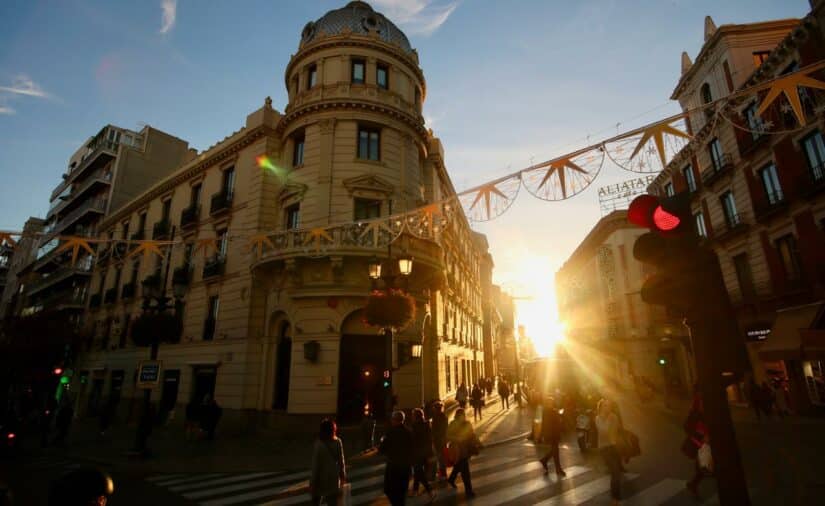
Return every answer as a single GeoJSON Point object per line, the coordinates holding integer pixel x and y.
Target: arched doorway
{"type": "Point", "coordinates": [360, 385]}
{"type": "Point", "coordinates": [283, 363]}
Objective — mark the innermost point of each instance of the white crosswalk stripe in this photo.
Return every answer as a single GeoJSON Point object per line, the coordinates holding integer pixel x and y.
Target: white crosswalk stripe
{"type": "Point", "coordinates": [496, 480]}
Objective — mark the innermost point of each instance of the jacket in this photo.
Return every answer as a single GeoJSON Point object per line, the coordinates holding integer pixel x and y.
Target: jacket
{"type": "Point", "coordinates": [422, 441]}
{"type": "Point", "coordinates": [461, 434]}
{"type": "Point", "coordinates": [327, 467]}
{"type": "Point", "coordinates": [397, 446]}
{"type": "Point", "coordinates": [440, 429]}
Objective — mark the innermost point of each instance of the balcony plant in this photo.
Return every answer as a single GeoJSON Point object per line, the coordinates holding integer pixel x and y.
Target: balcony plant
{"type": "Point", "coordinates": [166, 327]}
{"type": "Point", "coordinates": [391, 309]}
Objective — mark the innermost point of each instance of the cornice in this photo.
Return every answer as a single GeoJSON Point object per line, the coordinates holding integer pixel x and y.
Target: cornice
{"type": "Point", "coordinates": [352, 40]}
{"type": "Point", "coordinates": [195, 167]}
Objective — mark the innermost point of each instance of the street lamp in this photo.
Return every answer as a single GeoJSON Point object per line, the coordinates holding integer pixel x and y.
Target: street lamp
{"type": "Point", "coordinates": [375, 269]}
{"type": "Point", "coordinates": [405, 265]}
{"type": "Point", "coordinates": [416, 349]}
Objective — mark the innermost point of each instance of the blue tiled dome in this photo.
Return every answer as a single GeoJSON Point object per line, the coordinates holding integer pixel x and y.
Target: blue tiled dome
{"type": "Point", "coordinates": [358, 18]}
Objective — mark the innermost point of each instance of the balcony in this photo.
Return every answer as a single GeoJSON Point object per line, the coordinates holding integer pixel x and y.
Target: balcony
{"type": "Point", "coordinates": [89, 206]}
{"type": "Point", "coordinates": [110, 297]}
{"type": "Point", "coordinates": [812, 181]}
{"type": "Point", "coordinates": [137, 236]}
{"type": "Point", "coordinates": [189, 216]}
{"type": "Point", "coordinates": [65, 299]}
{"type": "Point", "coordinates": [128, 291]}
{"type": "Point", "coordinates": [81, 268]}
{"type": "Point", "coordinates": [221, 203]}
{"type": "Point", "coordinates": [101, 151]}
{"type": "Point", "coordinates": [161, 229]}
{"type": "Point", "coordinates": [214, 267]}
{"type": "Point", "coordinates": [773, 203]}
{"type": "Point", "coordinates": [209, 329]}
{"type": "Point", "coordinates": [94, 300]}
{"type": "Point", "coordinates": [101, 176]}
{"type": "Point", "coordinates": [182, 275]}
{"type": "Point", "coordinates": [733, 227]}
{"type": "Point", "coordinates": [715, 172]}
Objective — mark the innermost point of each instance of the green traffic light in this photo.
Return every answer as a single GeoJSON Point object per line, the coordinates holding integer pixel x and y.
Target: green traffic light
{"type": "Point", "coordinates": [64, 380]}
{"type": "Point", "coordinates": [662, 361]}
{"type": "Point", "coordinates": [386, 384]}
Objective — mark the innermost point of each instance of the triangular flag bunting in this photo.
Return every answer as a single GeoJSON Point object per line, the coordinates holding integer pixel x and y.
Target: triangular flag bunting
{"type": "Point", "coordinates": [75, 243]}
{"type": "Point", "coordinates": [147, 248]}
{"type": "Point", "coordinates": [257, 242]}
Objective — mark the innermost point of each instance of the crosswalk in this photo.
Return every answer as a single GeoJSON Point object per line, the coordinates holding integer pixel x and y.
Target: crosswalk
{"type": "Point", "coordinates": [52, 464]}
{"type": "Point", "coordinates": [496, 480]}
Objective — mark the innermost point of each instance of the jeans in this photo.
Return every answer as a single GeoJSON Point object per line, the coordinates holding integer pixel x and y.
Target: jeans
{"type": "Point", "coordinates": [420, 475]}
{"type": "Point", "coordinates": [463, 467]}
{"type": "Point", "coordinates": [614, 466]}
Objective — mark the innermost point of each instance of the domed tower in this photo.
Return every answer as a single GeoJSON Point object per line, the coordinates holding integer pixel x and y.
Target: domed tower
{"type": "Point", "coordinates": [353, 148]}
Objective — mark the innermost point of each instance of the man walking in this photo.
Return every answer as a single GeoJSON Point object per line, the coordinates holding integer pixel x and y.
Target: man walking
{"type": "Point", "coordinates": [552, 426]}
{"type": "Point", "coordinates": [504, 393]}
{"type": "Point", "coordinates": [439, 424]}
{"type": "Point", "coordinates": [397, 447]}
{"type": "Point", "coordinates": [462, 437]}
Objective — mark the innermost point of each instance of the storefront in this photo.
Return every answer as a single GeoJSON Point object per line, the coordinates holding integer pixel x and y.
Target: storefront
{"type": "Point", "coordinates": [794, 352]}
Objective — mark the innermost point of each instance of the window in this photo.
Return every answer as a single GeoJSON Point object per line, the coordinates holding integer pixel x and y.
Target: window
{"type": "Point", "coordinates": [135, 271]}
{"type": "Point", "coordinates": [687, 172]}
{"type": "Point", "coordinates": [366, 209]}
{"type": "Point", "coordinates": [669, 190]}
{"type": "Point", "coordinates": [209, 327]}
{"type": "Point", "coordinates": [167, 206]}
{"type": "Point", "coordinates": [699, 220]}
{"type": "Point", "coordinates": [312, 76]}
{"type": "Point", "coordinates": [707, 96]}
{"type": "Point", "coordinates": [229, 180]}
{"type": "Point", "coordinates": [295, 83]}
{"type": "Point", "coordinates": [759, 57]}
{"type": "Point", "coordinates": [223, 243]}
{"type": "Point", "coordinates": [298, 149]}
{"type": "Point", "coordinates": [382, 76]}
{"type": "Point", "coordinates": [815, 154]}
{"type": "Point", "coordinates": [755, 124]}
{"type": "Point", "coordinates": [770, 181]}
{"type": "Point", "coordinates": [729, 208]}
{"type": "Point", "coordinates": [195, 195]}
{"type": "Point", "coordinates": [716, 156]}
{"type": "Point", "coordinates": [786, 246]}
{"type": "Point", "coordinates": [358, 71]}
{"type": "Point", "coordinates": [447, 370]}
{"type": "Point", "coordinates": [188, 250]}
{"type": "Point", "coordinates": [292, 216]}
{"type": "Point", "coordinates": [743, 275]}
{"type": "Point", "coordinates": [141, 223]}
{"type": "Point", "coordinates": [118, 272]}
{"type": "Point", "coordinates": [369, 144]}
{"type": "Point", "coordinates": [125, 234]}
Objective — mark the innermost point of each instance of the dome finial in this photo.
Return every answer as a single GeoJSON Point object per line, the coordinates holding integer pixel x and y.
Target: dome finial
{"type": "Point", "coordinates": [710, 28]}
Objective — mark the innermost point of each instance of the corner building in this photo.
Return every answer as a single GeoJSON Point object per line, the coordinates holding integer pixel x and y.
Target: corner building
{"type": "Point", "coordinates": [282, 333]}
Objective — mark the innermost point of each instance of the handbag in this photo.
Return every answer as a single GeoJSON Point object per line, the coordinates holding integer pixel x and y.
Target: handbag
{"type": "Point", "coordinates": [452, 453]}
{"type": "Point", "coordinates": [346, 494]}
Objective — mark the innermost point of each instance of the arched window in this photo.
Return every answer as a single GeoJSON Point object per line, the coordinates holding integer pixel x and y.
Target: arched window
{"type": "Point", "coordinates": [707, 97]}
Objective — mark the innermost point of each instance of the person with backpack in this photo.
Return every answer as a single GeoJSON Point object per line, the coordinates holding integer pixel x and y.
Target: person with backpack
{"type": "Point", "coordinates": [328, 469]}
{"type": "Point", "coordinates": [422, 436]}
{"type": "Point", "coordinates": [463, 444]}
{"type": "Point", "coordinates": [552, 428]}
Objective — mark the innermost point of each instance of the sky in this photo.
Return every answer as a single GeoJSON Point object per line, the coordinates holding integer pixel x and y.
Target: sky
{"type": "Point", "coordinates": [508, 83]}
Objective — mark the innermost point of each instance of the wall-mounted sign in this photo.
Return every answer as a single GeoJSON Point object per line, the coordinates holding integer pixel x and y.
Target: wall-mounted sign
{"type": "Point", "coordinates": [757, 333]}
{"type": "Point", "coordinates": [148, 373]}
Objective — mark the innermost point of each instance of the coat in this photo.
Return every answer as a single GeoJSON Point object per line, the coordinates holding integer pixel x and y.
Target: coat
{"type": "Point", "coordinates": [422, 441]}
{"type": "Point", "coordinates": [460, 433]}
{"type": "Point", "coordinates": [477, 397]}
{"type": "Point", "coordinates": [440, 429]}
{"type": "Point", "coordinates": [551, 425]}
{"type": "Point", "coordinates": [327, 467]}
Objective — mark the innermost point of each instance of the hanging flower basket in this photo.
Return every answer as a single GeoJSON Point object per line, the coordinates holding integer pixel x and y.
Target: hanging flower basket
{"type": "Point", "coordinates": [165, 327]}
{"type": "Point", "coordinates": [389, 310]}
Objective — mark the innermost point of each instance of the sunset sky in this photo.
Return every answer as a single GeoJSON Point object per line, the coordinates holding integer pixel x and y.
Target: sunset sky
{"type": "Point", "coordinates": [507, 83]}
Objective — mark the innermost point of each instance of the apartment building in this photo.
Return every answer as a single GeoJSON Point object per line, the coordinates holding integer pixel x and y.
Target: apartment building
{"type": "Point", "coordinates": [12, 261]}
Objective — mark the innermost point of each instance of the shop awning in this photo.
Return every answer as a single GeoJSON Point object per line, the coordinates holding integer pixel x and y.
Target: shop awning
{"type": "Point", "coordinates": [785, 342]}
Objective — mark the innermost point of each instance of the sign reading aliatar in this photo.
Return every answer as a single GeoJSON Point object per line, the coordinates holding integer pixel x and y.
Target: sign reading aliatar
{"type": "Point", "coordinates": [626, 188]}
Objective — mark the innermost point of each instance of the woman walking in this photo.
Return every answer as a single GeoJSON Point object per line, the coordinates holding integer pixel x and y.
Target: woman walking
{"type": "Point", "coordinates": [328, 466]}
{"type": "Point", "coordinates": [461, 395]}
{"type": "Point", "coordinates": [607, 425]}
{"type": "Point", "coordinates": [463, 440]}
{"type": "Point", "coordinates": [477, 400]}
{"type": "Point", "coordinates": [422, 453]}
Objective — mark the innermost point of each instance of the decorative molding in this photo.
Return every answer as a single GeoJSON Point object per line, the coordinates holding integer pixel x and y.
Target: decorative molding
{"type": "Point", "coordinates": [292, 191]}
{"type": "Point", "coordinates": [369, 183]}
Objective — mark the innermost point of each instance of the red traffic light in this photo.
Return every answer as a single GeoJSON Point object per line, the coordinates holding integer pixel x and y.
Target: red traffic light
{"type": "Point", "coordinates": [641, 210]}
{"type": "Point", "coordinates": [666, 216]}
{"type": "Point", "coordinates": [663, 220]}
{"type": "Point", "coordinates": [57, 371]}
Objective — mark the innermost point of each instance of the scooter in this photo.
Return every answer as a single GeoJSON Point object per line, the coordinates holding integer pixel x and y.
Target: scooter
{"type": "Point", "coordinates": [583, 430]}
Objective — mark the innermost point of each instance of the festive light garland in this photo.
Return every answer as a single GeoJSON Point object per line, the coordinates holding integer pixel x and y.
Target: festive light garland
{"type": "Point", "coordinates": [647, 149]}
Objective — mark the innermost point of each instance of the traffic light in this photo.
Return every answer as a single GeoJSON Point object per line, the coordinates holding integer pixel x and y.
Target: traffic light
{"type": "Point", "coordinates": [387, 379]}
{"type": "Point", "coordinates": [57, 371]}
{"type": "Point", "coordinates": [662, 361]}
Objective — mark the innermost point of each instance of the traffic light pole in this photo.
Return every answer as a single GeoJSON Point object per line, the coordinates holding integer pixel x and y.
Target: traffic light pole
{"type": "Point", "coordinates": [713, 323]}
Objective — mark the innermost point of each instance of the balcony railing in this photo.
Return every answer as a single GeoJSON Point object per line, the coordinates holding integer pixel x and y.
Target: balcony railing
{"type": "Point", "coordinates": [161, 229]}
{"type": "Point", "coordinates": [189, 216]}
{"type": "Point", "coordinates": [128, 291]}
{"type": "Point", "coordinates": [733, 226]}
{"type": "Point", "coordinates": [69, 298]}
{"type": "Point", "coordinates": [182, 275]}
{"type": "Point", "coordinates": [102, 175]}
{"type": "Point", "coordinates": [717, 170]}
{"type": "Point", "coordinates": [209, 329]}
{"type": "Point", "coordinates": [770, 206]}
{"type": "Point", "coordinates": [214, 267]}
{"type": "Point", "coordinates": [221, 202]}
{"type": "Point", "coordinates": [812, 181]}
{"type": "Point", "coordinates": [90, 206]}
{"type": "Point", "coordinates": [138, 236]}
{"type": "Point", "coordinates": [110, 296]}
{"type": "Point", "coordinates": [100, 145]}
{"type": "Point", "coordinates": [82, 267]}
{"type": "Point", "coordinates": [94, 300]}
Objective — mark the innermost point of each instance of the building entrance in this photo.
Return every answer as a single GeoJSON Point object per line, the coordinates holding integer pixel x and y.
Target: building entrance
{"type": "Point", "coordinates": [361, 385]}
{"type": "Point", "coordinates": [283, 362]}
{"type": "Point", "coordinates": [204, 383]}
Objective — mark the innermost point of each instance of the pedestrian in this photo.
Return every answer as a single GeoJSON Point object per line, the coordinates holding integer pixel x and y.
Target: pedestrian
{"type": "Point", "coordinates": [463, 445]}
{"type": "Point", "coordinates": [768, 398]}
{"type": "Point", "coordinates": [328, 469]}
{"type": "Point", "coordinates": [397, 447]}
{"type": "Point", "coordinates": [422, 453]}
{"type": "Point", "coordinates": [461, 395]}
{"type": "Point", "coordinates": [607, 425]}
{"type": "Point", "coordinates": [552, 428]}
{"type": "Point", "coordinates": [212, 414]}
{"type": "Point", "coordinates": [696, 436]}
{"type": "Point", "coordinates": [193, 415]}
{"type": "Point", "coordinates": [63, 421]}
{"type": "Point", "coordinates": [368, 430]}
{"type": "Point", "coordinates": [439, 426]}
{"type": "Point", "coordinates": [755, 397]}
{"type": "Point", "coordinates": [504, 393]}
{"type": "Point", "coordinates": [477, 400]}
{"type": "Point", "coordinates": [489, 386]}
